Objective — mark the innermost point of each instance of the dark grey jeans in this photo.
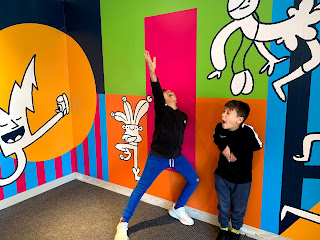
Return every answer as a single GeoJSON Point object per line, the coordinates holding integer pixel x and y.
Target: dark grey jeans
{"type": "Point", "coordinates": [234, 196]}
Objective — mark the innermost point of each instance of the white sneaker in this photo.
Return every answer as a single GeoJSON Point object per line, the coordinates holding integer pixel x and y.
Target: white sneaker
{"type": "Point", "coordinates": [122, 229]}
{"type": "Point", "coordinates": [181, 215]}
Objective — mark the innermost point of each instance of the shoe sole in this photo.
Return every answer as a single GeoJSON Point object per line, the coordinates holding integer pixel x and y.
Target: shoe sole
{"type": "Point", "coordinates": [117, 238]}
{"type": "Point", "coordinates": [172, 214]}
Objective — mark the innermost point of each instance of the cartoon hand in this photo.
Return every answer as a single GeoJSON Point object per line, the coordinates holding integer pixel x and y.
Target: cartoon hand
{"type": "Point", "coordinates": [271, 64]}
{"type": "Point", "coordinates": [63, 104]}
{"type": "Point", "coordinates": [214, 74]}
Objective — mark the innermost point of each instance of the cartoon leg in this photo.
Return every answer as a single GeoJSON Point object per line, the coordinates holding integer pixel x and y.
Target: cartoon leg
{"type": "Point", "coordinates": [124, 148]}
{"type": "Point", "coordinates": [307, 145]}
{"type": "Point", "coordinates": [300, 213]}
{"type": "Point", "coordinates": [126, 151]}
{"type": "Point", "coordinates": [314, 62]}
{"type": "Point", "coordinates": [21, 164]}
{"type": "Point", "coordinates": [135, 169]}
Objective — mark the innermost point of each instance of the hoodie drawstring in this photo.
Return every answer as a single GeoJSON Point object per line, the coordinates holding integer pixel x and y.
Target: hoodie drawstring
{"type": "Point", "coordinates": [171, 163]}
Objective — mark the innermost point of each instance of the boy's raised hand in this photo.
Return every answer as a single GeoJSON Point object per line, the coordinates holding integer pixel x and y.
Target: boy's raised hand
{"type": "Point", "coordinates": [151, 65]}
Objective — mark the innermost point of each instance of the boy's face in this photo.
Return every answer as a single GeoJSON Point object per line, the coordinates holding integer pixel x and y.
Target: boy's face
{"type": "Point", "coordinates": [230, 119]}
{"type": "Point", "coordinates": [169, 96]}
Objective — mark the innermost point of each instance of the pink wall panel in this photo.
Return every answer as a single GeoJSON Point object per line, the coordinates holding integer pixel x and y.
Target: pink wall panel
{"type": "Point", "coordinates": [172, 39]}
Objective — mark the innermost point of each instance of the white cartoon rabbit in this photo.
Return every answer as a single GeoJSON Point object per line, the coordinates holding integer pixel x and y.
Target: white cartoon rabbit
{"type": "Point", "coordinates": [131, 135]}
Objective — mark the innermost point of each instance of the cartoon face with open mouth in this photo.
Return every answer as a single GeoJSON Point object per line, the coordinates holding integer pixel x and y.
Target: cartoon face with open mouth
{"type": "Point", "coordinates": [14, 132]}
{"type": "Point", "coordinates": [239, 9]}
{"type": "Point", "coordinates": [13, 136]}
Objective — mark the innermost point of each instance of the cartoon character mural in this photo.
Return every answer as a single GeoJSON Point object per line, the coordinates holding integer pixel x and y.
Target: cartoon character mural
{"type": "Point", "coordinates": [131, 135]}
{"type": "Point", "coordinates": [14, 126]}
{"type": "Point", "coordinates": [313, 217]}
{"type": "Point", "coordinates": [308, 141]}
{"type": "Point", "coordinates": [300, 23]}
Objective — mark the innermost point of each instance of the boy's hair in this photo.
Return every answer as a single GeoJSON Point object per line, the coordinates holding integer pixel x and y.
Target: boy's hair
{"type": "Point", "coordinates": [241, 108]}
{"type": "Point", "coordinates": [164, 90]}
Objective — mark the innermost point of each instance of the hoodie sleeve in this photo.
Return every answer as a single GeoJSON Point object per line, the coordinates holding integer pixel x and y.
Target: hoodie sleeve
{"type": "Point", "coordinates": [249, 142]}
{"type": "Point", "coordinates": [219, 138]}
{"type": "Point", "coordinates": [255, 143]}
{"type": "Point", "coordinates": [159, 101]}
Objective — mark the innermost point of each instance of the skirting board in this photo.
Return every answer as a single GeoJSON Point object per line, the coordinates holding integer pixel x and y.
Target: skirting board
{"type": "Point", "coordinates": [249, 231]}
{"type": "Point", "coordinates": [36, 191]}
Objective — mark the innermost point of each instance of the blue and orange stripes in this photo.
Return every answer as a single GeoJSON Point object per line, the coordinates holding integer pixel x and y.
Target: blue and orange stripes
{"type": "Point", "coordinates": [90, 158]}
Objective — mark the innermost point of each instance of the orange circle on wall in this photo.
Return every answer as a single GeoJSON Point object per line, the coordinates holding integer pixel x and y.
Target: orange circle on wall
{"type": "Point", "coordinates": [61, 66]}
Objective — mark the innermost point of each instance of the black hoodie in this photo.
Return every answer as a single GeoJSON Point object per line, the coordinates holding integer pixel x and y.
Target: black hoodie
{"type": "Point", "coordinates": [242, 143]}
{"type": "Point", "coordinates": [169, 127]}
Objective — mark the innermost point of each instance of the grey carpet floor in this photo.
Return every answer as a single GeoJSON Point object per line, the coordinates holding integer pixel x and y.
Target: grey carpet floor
{"type": "Point", "coordinates": [78, 210]}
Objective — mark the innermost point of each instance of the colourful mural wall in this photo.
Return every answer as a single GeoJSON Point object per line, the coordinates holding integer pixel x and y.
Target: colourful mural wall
{"type": "Point", "coordinates": [208, 52]}
{"type": "Point", "coordinates": [51, 33]}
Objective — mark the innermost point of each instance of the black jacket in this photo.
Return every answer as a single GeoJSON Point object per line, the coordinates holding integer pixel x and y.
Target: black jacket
{"type": "Point", "coordinates": [242, 142]}
{"type": "Point", "coordinates": [169, 127]}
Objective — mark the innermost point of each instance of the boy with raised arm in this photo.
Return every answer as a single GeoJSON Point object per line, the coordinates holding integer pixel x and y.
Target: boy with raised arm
{"type": "Point", "coordinates": [165, 152]}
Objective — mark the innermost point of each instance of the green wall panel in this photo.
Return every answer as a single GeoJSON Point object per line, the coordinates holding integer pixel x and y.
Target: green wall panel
{"type": "Point", "coordinates": [122, 24]}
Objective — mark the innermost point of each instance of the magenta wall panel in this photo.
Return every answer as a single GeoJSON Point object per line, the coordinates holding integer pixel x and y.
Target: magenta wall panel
{"type": "Point", "coordinates": [172, 38]}
{"type": "Point", "coordinates": [98, 140]}
{"type": "Point", "coordinates": [58, 164]}
{"type": "Point", "coordinates": [74, 164]}
{"type": "Point", "coordinates": [41, 174]}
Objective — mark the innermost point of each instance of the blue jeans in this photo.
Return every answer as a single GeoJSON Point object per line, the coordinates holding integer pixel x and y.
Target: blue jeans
{"type": "Point", "coordinates": [231, 195]}
{"type": "Point", "coordinates": [154, 166]}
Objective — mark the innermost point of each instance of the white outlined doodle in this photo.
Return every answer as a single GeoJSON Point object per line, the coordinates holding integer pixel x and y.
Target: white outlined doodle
{"type": "Point", "coordinates": [14, 126]}
{"type": "Point", "coordinates": [308, 141]}
{"type": "Point", "coordinates": [299, 23]}
{"type": "Point", "coordinates": [131, 126]}
{"type": "Point", "coordinates": [313, 217]}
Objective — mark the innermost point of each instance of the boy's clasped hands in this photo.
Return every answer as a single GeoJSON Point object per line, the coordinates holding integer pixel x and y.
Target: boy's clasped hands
{"type": "Point", "coordinates": [229, 155]}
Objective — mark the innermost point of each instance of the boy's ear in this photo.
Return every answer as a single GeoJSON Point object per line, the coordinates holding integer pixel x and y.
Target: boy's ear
{"type": "Point", "coordinates": [240, 120]}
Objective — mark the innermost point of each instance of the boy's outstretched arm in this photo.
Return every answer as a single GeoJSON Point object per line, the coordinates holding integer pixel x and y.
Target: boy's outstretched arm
{"type": "Point", "coordinates": [159, 101]}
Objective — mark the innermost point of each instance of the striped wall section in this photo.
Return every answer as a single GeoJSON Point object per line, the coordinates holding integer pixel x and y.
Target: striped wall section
{"type": "Point", "coordinates": [89, 158]}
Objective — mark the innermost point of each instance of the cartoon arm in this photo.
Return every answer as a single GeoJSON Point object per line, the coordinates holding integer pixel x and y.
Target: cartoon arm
{"type": "Point", "coordinates": [300, 213]}
{"type": "Point", "coordinates": [307, 145]}
{"type": "Point", "coordinates": [63, 109]}
{"type": "Point", "coordinates": [271, 59]}
{"type": "Point", "coordinates": [218, 56]}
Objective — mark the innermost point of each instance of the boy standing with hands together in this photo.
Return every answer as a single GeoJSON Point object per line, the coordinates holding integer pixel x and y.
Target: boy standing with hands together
{"type": "Point", "coordinates": [233, 176]}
